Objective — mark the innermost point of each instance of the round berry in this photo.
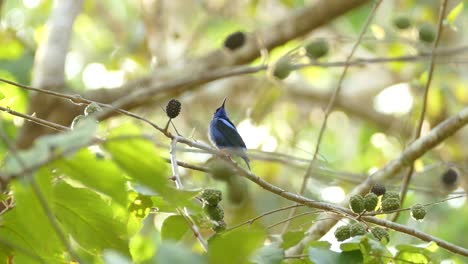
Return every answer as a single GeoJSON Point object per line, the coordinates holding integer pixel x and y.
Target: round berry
{"type": "Point", "coordinates": [381, 234]}
{"type": "Point", "coordinates": [173, 108]}
{"type": "Point", "coordinates": [356, 202]}
{"type": "Point", "coordinates": [215, 213]}
{"type": "Point", "coordinates": [390, 204]}
{"type": "Point", "coordinates": [370, 201]}
{"type": "Point", "coordinates": [317, 49]}
{"type": "Point", "coordinates": [427, 33]}
{"type": "Point", "coordinates": [282, 68]}
{"type": "Point", "coordinates": [418, 212]}
{"type": "Point", "coordinates": [450, 177]}
{"type": "Point", "coordinates": [235, 40]}
{"type": "Point", "coordinates": [343, 232]}
{"type": "Point", "coordinates": [402, 22]}
{"type": "Point", "coordinates": [358, 229]}
{"type": "Point", "coordinates": [212, 196]}
{"type": "Point", "coordinates": [378, 189]}
{"type": "Point", "coordinates": [391, 195]}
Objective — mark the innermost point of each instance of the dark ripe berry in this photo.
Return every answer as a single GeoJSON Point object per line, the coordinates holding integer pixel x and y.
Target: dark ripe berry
{"type": "Point", "coordinates": [402, 22]}
{"type": "Point", "coordinates": [450, 177]}
{"type": "Point", "coordinates": [358, 229]}
{"type": "Point", "coordinates": [418, 211]}
{"type": "Point", "coordinates": [380, 234]}
{"type": "Point", "coordinates": [356, 202]}
{"type": "Point", "coordinates": [390, 204]}
{"type": "Point", "coordinates": [317, 49]}
{"type": "Point", "coordinates": [215, 213]}
{"type": "Point", "coordinates": [219, 226]}
{"type": "Point", "coordinates": [378, 189]}
{"type": "Point", "coordinates": [427, 33]}
{"type": "Point", "coordinates": [173, 108]}
{"type": "Point", "coordinates": [343, 232]}
{"type": "Point", "coordinates": [235, 40]}
{"type": "Point", "coordinates": [212, 196]}
{"type": "Point", "coordinates": [370, 202]}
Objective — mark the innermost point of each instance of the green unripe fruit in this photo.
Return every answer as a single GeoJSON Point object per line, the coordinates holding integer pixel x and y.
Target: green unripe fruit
{"type": "Point", "coordinates": [390, 204]}
{"type": "Point", "coordinates": [427, 33]}
{"type": "Point", "coordinates": [215, 213]}
{"type": "Point", "coordinates": [356, 203]}
{"type": "Point", "coordinates": [317, 49]}
{"type": "Point", "coordinates": [370, 202]}
{"type": "Point", "coordinates": [391, 195]}
{"type": "Point", "coordinates": [219, 226]}
{"type": "Point", "coordinates": [402, 22]}
{"type": "Point", "coordinates": [282, 68]}
{"type": "Point", "coordinates": [212, 196]}
{"type": "Point", "coordinates": [378, 189]}
{"type": "Point", "coordinates": [358, 229]}
{"type": "Point", "coordinates": [343, 232]}
{"type": "Point", "coordinates": [418, 211]}
{"type": "Point", "coordinates": [380, 234]}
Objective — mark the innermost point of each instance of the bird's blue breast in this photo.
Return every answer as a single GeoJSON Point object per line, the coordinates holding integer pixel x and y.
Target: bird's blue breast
{"type": "Point", "coordinates": [224, 134]}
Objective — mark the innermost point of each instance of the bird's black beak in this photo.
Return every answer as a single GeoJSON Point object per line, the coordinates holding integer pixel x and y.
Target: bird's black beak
{"type": "Point", "coordinates": [224, 102]}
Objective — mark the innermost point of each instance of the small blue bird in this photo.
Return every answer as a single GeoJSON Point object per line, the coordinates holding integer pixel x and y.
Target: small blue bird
{"type": "Point", "coordinates": [225, 136]}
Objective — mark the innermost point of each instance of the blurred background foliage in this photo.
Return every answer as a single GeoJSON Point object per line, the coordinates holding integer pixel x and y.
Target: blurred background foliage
{"type": "Point", "coordinates": [102, 195]}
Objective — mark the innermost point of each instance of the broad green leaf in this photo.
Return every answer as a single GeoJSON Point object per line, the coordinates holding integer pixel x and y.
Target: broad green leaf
{"type": "Point", "coordinates": [174, 228]}
{"type": "Point", "coordinates": [271, 254]}
{"type": "Point", "coordinates": [319, 255]}
{"type": "Point", "coordinates": [141, 161]}
{"type": "Point", "coordinates": [236, 246]}
{"type": "Point", "coordinates": [2, 96]}
{"type": "Point", "coordinates": [454, 13]}
{"type": "Point", "coordinates": [141, 205]}
{"type": "Point", "coordinates": [99, 174]}
{"type": "Point", "coordinates": [50, 145]}
{"type": "Point", "coordinates": [292, 238]}
{"type": "Point", "coordinates": [89, 219]}
{"type": "Point", "coordinates": [420, 254]}
{"type": "Point", "coordinates": [143, 244]}
{"type": "Point", "coordinates": [169, 253]}
{"type": "Point", "coordinates": [32, 242]}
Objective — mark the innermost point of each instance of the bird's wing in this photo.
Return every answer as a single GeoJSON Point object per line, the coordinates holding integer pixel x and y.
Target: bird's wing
{"type": "Point", "coordinates": [229, 132]}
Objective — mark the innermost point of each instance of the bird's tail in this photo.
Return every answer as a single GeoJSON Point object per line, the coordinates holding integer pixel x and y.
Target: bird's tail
{"type": "Point", "coordinates": [247, 161]}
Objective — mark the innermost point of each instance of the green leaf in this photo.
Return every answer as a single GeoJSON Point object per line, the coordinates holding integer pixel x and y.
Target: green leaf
{"type": "Point", "coordinates": [113, 257]}
{"type": "Point", "coordinates": [1, 95]}
{"type": "Point", "coordinates": [30, 242]}
{"type": "Point", "coordinates": [99, 174]}
{"type": "Point", "coordinates": [174, 228]}
{"type": "Point", "coordinates": [141, 161]}
{"type": "Point", "coordinates": [50, 145]}
{"type": "Point", "coordinates": [271, 254]}
{"type": "Point", "coordinates": [169, 253]}
{"type": "Point", "coordinates": [324, 255]}
{"type": "Point", "coordinates": [292, 238]}
{"type": "Point", "coordinates": [419, 254]}
{"type": "Point", "coordinates": [454, 13]}
{"type": "Point", "coordinates": [236, 246]}
{"type": "Point", "coordinates": [89, 219]}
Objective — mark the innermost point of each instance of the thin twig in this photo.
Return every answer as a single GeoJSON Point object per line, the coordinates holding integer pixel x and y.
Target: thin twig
{"type": "Point", "coordinates": [184, 212]}
{"type": "Point", "coordinates": [330, 106]}
{"type": "Point", "coordinates": [430, 72]}
{"type": "Point", "coordinates": [252, 220]}
{"type": "Point", "coordinates": [34, 119]}
{"type": "Point", "coordinates": [294, 217]}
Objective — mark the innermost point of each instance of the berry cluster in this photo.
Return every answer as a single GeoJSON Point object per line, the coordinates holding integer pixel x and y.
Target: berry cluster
{"type": "Point", "coordinates": [211, 199]}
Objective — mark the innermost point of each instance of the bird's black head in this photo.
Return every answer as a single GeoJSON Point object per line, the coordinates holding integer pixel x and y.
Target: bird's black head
{"type": "Point", "coordinates": [220, 112]}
